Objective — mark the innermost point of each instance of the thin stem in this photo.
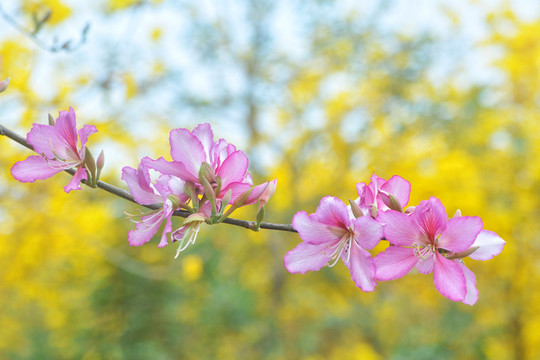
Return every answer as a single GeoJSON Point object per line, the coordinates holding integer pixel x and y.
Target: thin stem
{"type": "Point", "coordinates": [252, 225]}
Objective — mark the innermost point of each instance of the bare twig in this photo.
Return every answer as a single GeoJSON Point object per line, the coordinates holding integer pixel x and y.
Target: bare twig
{"type": "Point", "coordinates": [67, 45]}
{"type": "Point", "coordinates": [252, 225]}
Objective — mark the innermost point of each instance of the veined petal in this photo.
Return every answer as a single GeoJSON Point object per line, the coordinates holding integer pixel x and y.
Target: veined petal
{"type": "Point", "coordinates": [360, 264]}
{"type": "Point", "coordinates": [399, 188]}
{"type": "Point", "coordinates": [489, 245]}
{"type": "Point", "coordinates": [40, 137]}
{"type": "Point", "coordinates": [333, 212]}
{"type": "Point", "coordinates": [204, 133]}
{"type": "Point", "coordinates": [138, 182]}
{"type": "Point", "coordinates": [187, 150]}
{"type": "Point", "coordinates": [237, 189]}
{"type": "Point", "coordinates": [367, 232]}
{"type": "Point", "coordinates": [431, 215]}
{"type": "Point", "coordinates": [306, 257]}
{"type": "Point", "coordinates": [145, 230]}
{"type": "Point", "coordinates": [32, 169]}
{"type": "Point", "coordinates": [66, 129]}
{"type": "Point", "coordinates": [449, 278]}
{"type": "Point", "coordinates": [312, 231]}
{"type": "Point", "coordinates": [174, 168]}
{"type": "Point", "coordinates": [234, 168]}
{"type": "Point", "coordinates": [425, 266]}
{"type": "Point", "coordinates": [394, 262]}
{"type": "Point", "coordinates": [470, 279]}
{"type": "Point", "coordinates": [366, 197]}
{"type": "Point", "coordinates": [460, 233]}
{"type": "Point", "coordinates": [400, 229]}
{"type": "Point", "coordinates": [75, 182]}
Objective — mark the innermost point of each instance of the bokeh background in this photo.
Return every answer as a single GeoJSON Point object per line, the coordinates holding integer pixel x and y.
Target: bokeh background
{"type": "Point", "coordinates": [319, 94]}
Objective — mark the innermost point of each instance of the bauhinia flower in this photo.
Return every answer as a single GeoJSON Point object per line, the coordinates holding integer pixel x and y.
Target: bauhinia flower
{"type": "Point", "coordinates": [382, 194]}
{"type": "Point", "coordinates": [332, 233]}
{"type": "Point", "coordinates": [428, 240]}
{"type": "Point", "coordinates": [167, 191]}
{"type": "Point", "coordinates": [60, 146]}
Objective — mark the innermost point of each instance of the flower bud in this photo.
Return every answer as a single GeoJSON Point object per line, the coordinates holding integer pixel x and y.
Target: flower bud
{"type": "Point", "coordinates": [357, 212]}
{"type": "Point", "coordinates": [207, 172]}
{"type": "Point", "coordinates": [267, 193]}
{"type": "Point", "coordinates": [373, 211]}
{"type": "Point", "coordinates": [100, 163]}
{"type": "Point", "coordinates": [90, 164]}
{"type": "Point", "coordinates": [4, 84]}
{"type": "Point", "coordinates": [52, 122]}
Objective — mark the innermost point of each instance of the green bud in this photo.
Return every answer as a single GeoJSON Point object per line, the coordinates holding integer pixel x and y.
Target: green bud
{"type": "Point", "coordinates": [4, 84]}
{"type": "Point", "coordinates": [373, 211]}
{"type": "Point", "coordinates": [394, 203]}
{"type": "Point", "coordinates": [100, 163]}
{"type": "Point", "coordinates": [90, 164]}
{"type": "Point", "coordinates": [52, 122]}
{"type": "Point", "coordinates": [463, 254]}
{"type": "Point", "coordinates": [357, 212]}
{"type": "Point", "coordinates": [207, 172]}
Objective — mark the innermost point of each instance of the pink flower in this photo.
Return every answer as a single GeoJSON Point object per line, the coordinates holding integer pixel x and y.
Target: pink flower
{"type": "Point", "coordinates": [58, 149]}
{"type": "Point", "coordinates": [378, 192]}
{"type": "Point", "coordinates": [332, 233]}
{"type": "Point", "coordinates": [190, 150]}
{"type": "Point", "coordinates": [427, 240]}
{"type": "Point", "coordinates": [167, 190]}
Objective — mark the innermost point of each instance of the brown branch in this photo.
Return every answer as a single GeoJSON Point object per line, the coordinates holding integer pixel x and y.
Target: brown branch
{"type": "Point", "coordinates": [126, 195]}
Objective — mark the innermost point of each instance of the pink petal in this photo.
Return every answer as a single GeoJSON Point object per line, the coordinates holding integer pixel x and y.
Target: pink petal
{"type": "Point", "coordinates": [431, 215]}
{"type": "Point", "coordinates": [75, 182]}
{"type": "Point", "coordinates": [187, 150]}
{"type": "Point", "coordinates": [366, 197]}
{"type": "Point", "coordinates": [32, 169]}
{"type": "Point", "coordinates": [174, 168]}
{"type": "Point", "coordinates": [470, 279]}
{"type": "Point", "coordinates": [234, 168]}
{"type": "Point", "coordinates": [333, 212]}
{"type": "Point", "coordinates": [460, 233]}
{"type": "Point", "coordinates": [306, 257]}
{"type": "Point", "coordinates": [394, 262]}
{"type": "Point", "coordinates": [399, 188]}
{"type": "Point", "coordinates": [361, 266]}
{"type": "Point", "coordinates": [425, 266]}
{"type": "Point", "coordinates": [256, 193]}
{"type": "Point", "coordinates": [144, 230]}
{"type": "Point", "coordinates": [85, 132]}
{"type": "Point", "coordinates": [66, 129]}
{"type": "Point", "coordinates": [204, 133]}
{"type": "Point", "coordinates": [40, 137]}
{"type": "Point", "coordinates": [367, 232]}
{"type": "Point", "coordinates": [449, 278]}
{"type": "Point", "coordinates": [400, 229]}
{"type": "Point", "coordinates": [312, 231]}
{"type": "Point", "coordinates": [237, 189]}
{"type": "Point", "coordinates": [489, 245]}
{"type": "Point", "coordinates": [138, 182]}
{"type": "Point", "coordinates": [168, 225]}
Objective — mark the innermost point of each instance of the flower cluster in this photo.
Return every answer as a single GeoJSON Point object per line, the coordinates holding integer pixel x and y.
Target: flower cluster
{"type": "Point", "coordinates": [420, 237]}
{"type": "Point", "coordinates": [208, 178]}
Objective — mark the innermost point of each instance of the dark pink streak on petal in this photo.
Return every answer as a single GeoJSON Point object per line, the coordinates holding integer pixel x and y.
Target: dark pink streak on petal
{"type": "Point", "coordinates": [431, 215]}
{"type": "Point", "coordinates": [306, 257]}
{"type": "Point", "coordinates": [394, 262]}
{"type": "Point", "coordinates": [66, 130]}
{"type": "Point", "coordinates": [449, 278]}
{"type": "Point", "coordinates": [32, 169]}
{"type": "Point", "coordinates": [460, 233]}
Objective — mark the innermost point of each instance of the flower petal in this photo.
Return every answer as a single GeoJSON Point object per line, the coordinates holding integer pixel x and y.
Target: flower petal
{"type": "Point", "coordinates": [312, 231]}
{"type": "Point", "coordinates": [306, 257]}
{"type": "Point", "coordinates": [449, 278]}
{"type": "Point", "coordinates": [360, 264]}
{"type": "Point", "coordinates": [431, 215]}
{"type": "Point", "coordinates": [84, 133]}
{"type": "Point", "coordinates": [394, 262]}
{"type": "Point", "coordinates": [367, 232]}
{"type": "Point", "coordinates": [399, 188]}
{"type": "Point", "coordinates": [333, 212]}
{"type": "Point", "coordinates": [168, 225]}
{"type": "Point", "coordinates": [174, 168]}
{"type": "Point", "coordinates": [75, 182]}
{"type": "Point", "coordinates": [138, 182]}
{"type": "Point", "coordinates": [204, 133]}
{"type": "Point", "coordinates": [32, 169]}
{"type": "Point", "coordinates": [426, 266]}
{"type": "Point", "coordinates": [400, 229]}
{"type": "Point", "coordinates": [460, 233]}
{"type": "Point", "coordinates": [234, 168]}
{"type": "Point", "coordinates": [145, 229]}
{"type": "Point", "coordinates": [489, 245]}
{"type": "Point", "coordinates": [66, 129]}
{"type": "Point", "coordinates": [187, 150]}
{"type": "Point", "coordinates": [470, 279]}
{"type": "Point", "coordinates": [40, 137]}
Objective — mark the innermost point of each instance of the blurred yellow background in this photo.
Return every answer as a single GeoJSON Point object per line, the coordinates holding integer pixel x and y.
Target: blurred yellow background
{"type": "Point", "coordinates": [319, 94]}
